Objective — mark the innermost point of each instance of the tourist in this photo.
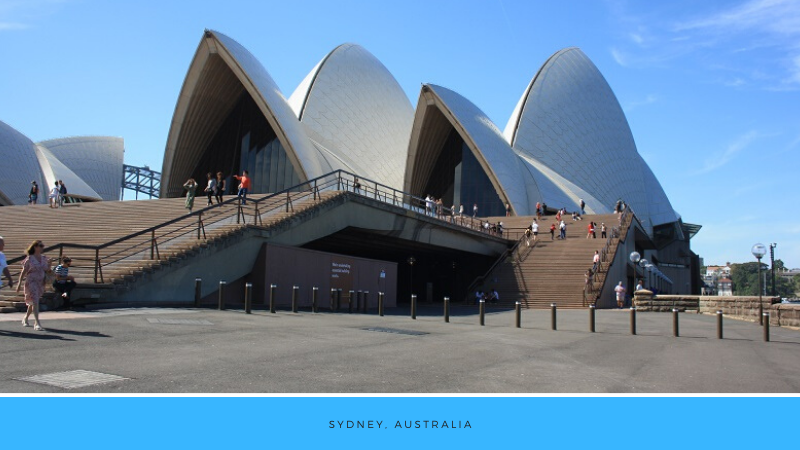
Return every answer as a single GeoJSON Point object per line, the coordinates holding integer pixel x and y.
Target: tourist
{"type": "Point", "coordinates": [587, 279]}
{"type": "Point", "coordinates": [618, 207]}
{"type": "Point", "coordinates": [494, 297]}
{"type": "Point", "coordinates": [563, 230]}
{"type": "Point", "coordinates": [461, 212]}
{"type": "Point", "coordinates": [34, 268]}
{"type": "Point", "coordinates": [528, 234]}
{"type": "Point", "coordinates": [591, 230]}
{"type": "Point", "coordinates": [191, 187]}
{"type": "Point", "coordinates": [4, 266]}
{"type": "Point", "coordinates": [576, 216]}
{"type": "Point", "coordinates": [603, 230]}
{"type": "Point", "coordinates": [244, 186]}
{"type": "Point", "coordinates": [211, 188]}
{"type": "Point", "coordinates": [583, 207]}
{"type": "Point", "coordinates": [596, 261]}
{"type": "Point", "coordinates": [620, 290]}
{"type": "Point", "coordinates": [356, 186]}
{"type": "Point", "coordinates": [552, 231]}
{"type": "Point", "coordinates": [508, 209]}
{"type": "Point", "coordinates": [64, 282]}
{"type": "Point", "coordinates": [639, 286]}
{"type": "Point", "coordinates": [535, 229]}
{"type": "Point", "coordinates": [220, 188]}
{"type": "Point", "coordinates": [54, 194]}
{"type": "Point", "coordinates": [594, 230]}
{"type": "Point", "coordinates": [544, 209]}
{"type": "Point", "coordinates": [478, 296]}
{"type": "Point", "coordinates": [474, 210]}
{"type": "Point", "coordinates": [62, 193]}
{"type": "Point", "coordinates": [33, 196]}
{"type": "Point", "coordinates": [453, 214]}
{"type": "Point", "coordinates": [539, 210]}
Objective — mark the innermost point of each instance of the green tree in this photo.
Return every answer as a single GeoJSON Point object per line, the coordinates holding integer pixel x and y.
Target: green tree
{"type": "Point", "coordinates": [744, 278]}
{"type": "Point", "coordinates": [796, 284]}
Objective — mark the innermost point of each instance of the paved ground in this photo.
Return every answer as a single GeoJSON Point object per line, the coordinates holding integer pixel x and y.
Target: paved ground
{"type": "Point", "coordinates": [204, 351]}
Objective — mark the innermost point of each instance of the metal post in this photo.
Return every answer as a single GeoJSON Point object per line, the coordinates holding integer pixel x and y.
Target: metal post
{"type": "Point", "coordinates": [221, 299]}
{"type": "Point", "coordinates": [333, 300]}
{"type": "Point", "coordinates": [633, 320]}
{"type": "Point", "coordinates": [766, 327]}
{"type": "Point", "coordinates": [359, 295]}
{"type": "Point", "coordinates": [365, 302]}
{"type": "Point", "coordinates": [314, 292]}
{"type": "Point", "coordinates": [414, 306]}
{"type": "Point", "coordinates": [483, 312]}
{"type": "Point", "coordinates": [295, 290]}
{"type": "Point", "coordinates": [248, 298]}
{"type": "Point", "coordinates": [760, 302]}
{"type": "Point", "coordinates": [198, 284]}
{"type": "Point", "coordinates": [675, 325]}
{"type": "Point", "coordinates": [338, 299]}
{"type": "Point", "coordinates": [272, 298]}
{"type": "Point", "coordinates": [447, 310]}
{"type": "Point", "coordinates": [719, 324]}
{"type": "Point", "coordinates": [350, 301]}
{"type": "Point", "coordinates": [380, 304]}
{"type": "Point", "coordinates": [518, 307]}
{"type": "Point", "coordinates": [591, 318]}
{"type": "Point", "coordinates": [553, 316]}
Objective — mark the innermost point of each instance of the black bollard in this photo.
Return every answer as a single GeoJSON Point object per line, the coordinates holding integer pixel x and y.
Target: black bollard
{"type": "Point", "coordinates": [553, 316]}
{"type": "Point", "coordinates": [221, 300]}
{"type": "Point", "coordinates": [765, 316]}
{"type": "Point", "coordinates": [359, 294]}
{"type": "Point", "coordinates": [198, 284]}
{"type": "Point", "coordinates": [314, 292]}
{"type": "Point", "coordinates": [633, 320]}
{"type": "Point", "coordinates": [518, 307]}
{"type": "Point", "coordinates": [719, 324]}
{"type": "Point", "coordinates": [248, 298]}
{"type": "Point", "coordinates": [447, 310]}
{"type": "Point", "coordinates": [351, 293]}
{"type": "Point", "coordinates": [295, 290]}
{"type": "Point", "coordinates": [414, 306]}
{"type": "Point", "coordinates": [333, 300]}
{"type": "Point", "coordinates": [338, 299]}
{"type": "Point", "coordinates": [592, 310]}
{"type": "Point", "coordinates": [380, 304]}
{"type": "Point", "coordinates": [272, 288]}
{"type": "Point", "coordinates": [483, 312]}
{"type": "Point", "coordinates": [365, 302]}
{"type": "Point", "coordinates": [675, 325]}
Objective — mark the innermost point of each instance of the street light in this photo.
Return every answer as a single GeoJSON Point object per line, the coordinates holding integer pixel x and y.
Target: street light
{"type": "Point", "coordinates": [643, 264]}
{"type": "Point", "coordinates": [411, 261]}
{"type": "Point", "coordinates": [635, 257]}
{"type": "Point", "coordinates": [772, 265]}
{"type": "Point", "coordinates": [650, 268]}
{"type": "Point", "coordinates": [759, 251]}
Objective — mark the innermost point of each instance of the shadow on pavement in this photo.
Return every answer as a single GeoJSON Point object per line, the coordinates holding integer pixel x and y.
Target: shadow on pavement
{"type": "Point", "coordinates": [39, 335]}
{"type": "Point", "coordinates": [78, 333]}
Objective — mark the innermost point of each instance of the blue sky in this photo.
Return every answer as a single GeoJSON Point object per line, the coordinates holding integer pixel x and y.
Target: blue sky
{"type": "Point", "coordinates": [711, 89]}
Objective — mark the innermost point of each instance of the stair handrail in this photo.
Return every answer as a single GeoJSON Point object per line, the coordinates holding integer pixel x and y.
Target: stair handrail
{"type": "Point", "coordinates": [314, 187]}
{"type": "Point", "coordinates": [616, 233]}
{"type": "Point", "coordinates": [508, 253]}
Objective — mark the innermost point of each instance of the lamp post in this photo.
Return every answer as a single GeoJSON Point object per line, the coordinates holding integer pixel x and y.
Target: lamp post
{"type": "Point", "coordinates": [759, 251]}
{"type": "Point", "coordinates": [411, 261]}
{"type": "Point", "coordinates": [772, 265]}
{"type": "Point", "coordinates": [635, 258]}
{"type": "Point", "coordinates": [650, 268]}
{"type": "Point", "coordinates": [643, 264]}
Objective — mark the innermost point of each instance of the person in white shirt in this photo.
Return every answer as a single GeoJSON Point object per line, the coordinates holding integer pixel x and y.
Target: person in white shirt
{"type": "Point", "coordinates": [639, 286]}
{"type": "Point", "coordinates": [620, 290]}
{"type": "Point", "coordinates": [535, 229]}
{"type": "Point", "coordinates": [595, 260]}
{"type": "Point", "coordinates": [54, 194]}
{"type": "Point", "coordinates": [4, 266]}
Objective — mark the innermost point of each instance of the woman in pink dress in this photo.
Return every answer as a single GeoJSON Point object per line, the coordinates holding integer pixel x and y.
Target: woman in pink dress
{"type": "Point", "coordinates": [34, 268]}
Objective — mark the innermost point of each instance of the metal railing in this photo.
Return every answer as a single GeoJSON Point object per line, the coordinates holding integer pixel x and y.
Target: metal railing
{"type": "Point", "coordinates": [153, 245]}
{"type": "Point", "coordinates": [518, 251]}
{"type": "Point", "coordinates": [595, 283]}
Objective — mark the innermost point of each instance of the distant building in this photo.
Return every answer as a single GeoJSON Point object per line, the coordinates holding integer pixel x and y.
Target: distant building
{"type": "Point", "coordinates": [725, 287]}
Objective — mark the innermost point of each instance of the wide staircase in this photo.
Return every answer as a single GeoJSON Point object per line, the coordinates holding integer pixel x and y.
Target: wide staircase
{"type": "Point", "coordinates": [552, 271]}
{"type": "Point", "coordinates": [115, 243]}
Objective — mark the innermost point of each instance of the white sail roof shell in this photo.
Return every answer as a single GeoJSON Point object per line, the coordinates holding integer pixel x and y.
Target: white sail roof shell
{"type": "Point", "coordinates": [18, 168]}
{"type": "Point", "coordinates": [353, 106]}
{"type": "Point", "coordinates": [97, 160]}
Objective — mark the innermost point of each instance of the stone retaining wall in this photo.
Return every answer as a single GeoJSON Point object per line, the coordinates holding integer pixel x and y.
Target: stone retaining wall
{"type": "Point", "coordinates": [742, 308]}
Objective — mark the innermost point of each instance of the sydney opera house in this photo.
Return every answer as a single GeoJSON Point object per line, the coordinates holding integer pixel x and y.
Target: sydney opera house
{"type": "Point", "coordinates": [566, 140]}
{"type": "Point", "coordinates": [89, 166]}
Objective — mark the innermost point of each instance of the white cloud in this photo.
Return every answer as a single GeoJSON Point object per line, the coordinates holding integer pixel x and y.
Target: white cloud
{"type": "Point", "coordinates": [649, 100]}
{"type": "Point", "coordinates": [637, 38]}
{"type": "Point", "coordinates": [619, 57]}
{"type": "Point", "coordinates": [18, 15]}
{"type": "Point", "coordinates": [7, 26]}
{"type": "Point", "coordinates": [721, 158]}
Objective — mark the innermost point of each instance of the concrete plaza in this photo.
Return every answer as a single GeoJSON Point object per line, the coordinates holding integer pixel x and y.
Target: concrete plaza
{"type": "Point", "coordinates": [165, 350]}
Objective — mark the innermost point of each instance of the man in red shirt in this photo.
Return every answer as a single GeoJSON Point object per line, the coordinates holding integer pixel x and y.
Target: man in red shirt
{"type": "Point", "coordinates": [244, 186]}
